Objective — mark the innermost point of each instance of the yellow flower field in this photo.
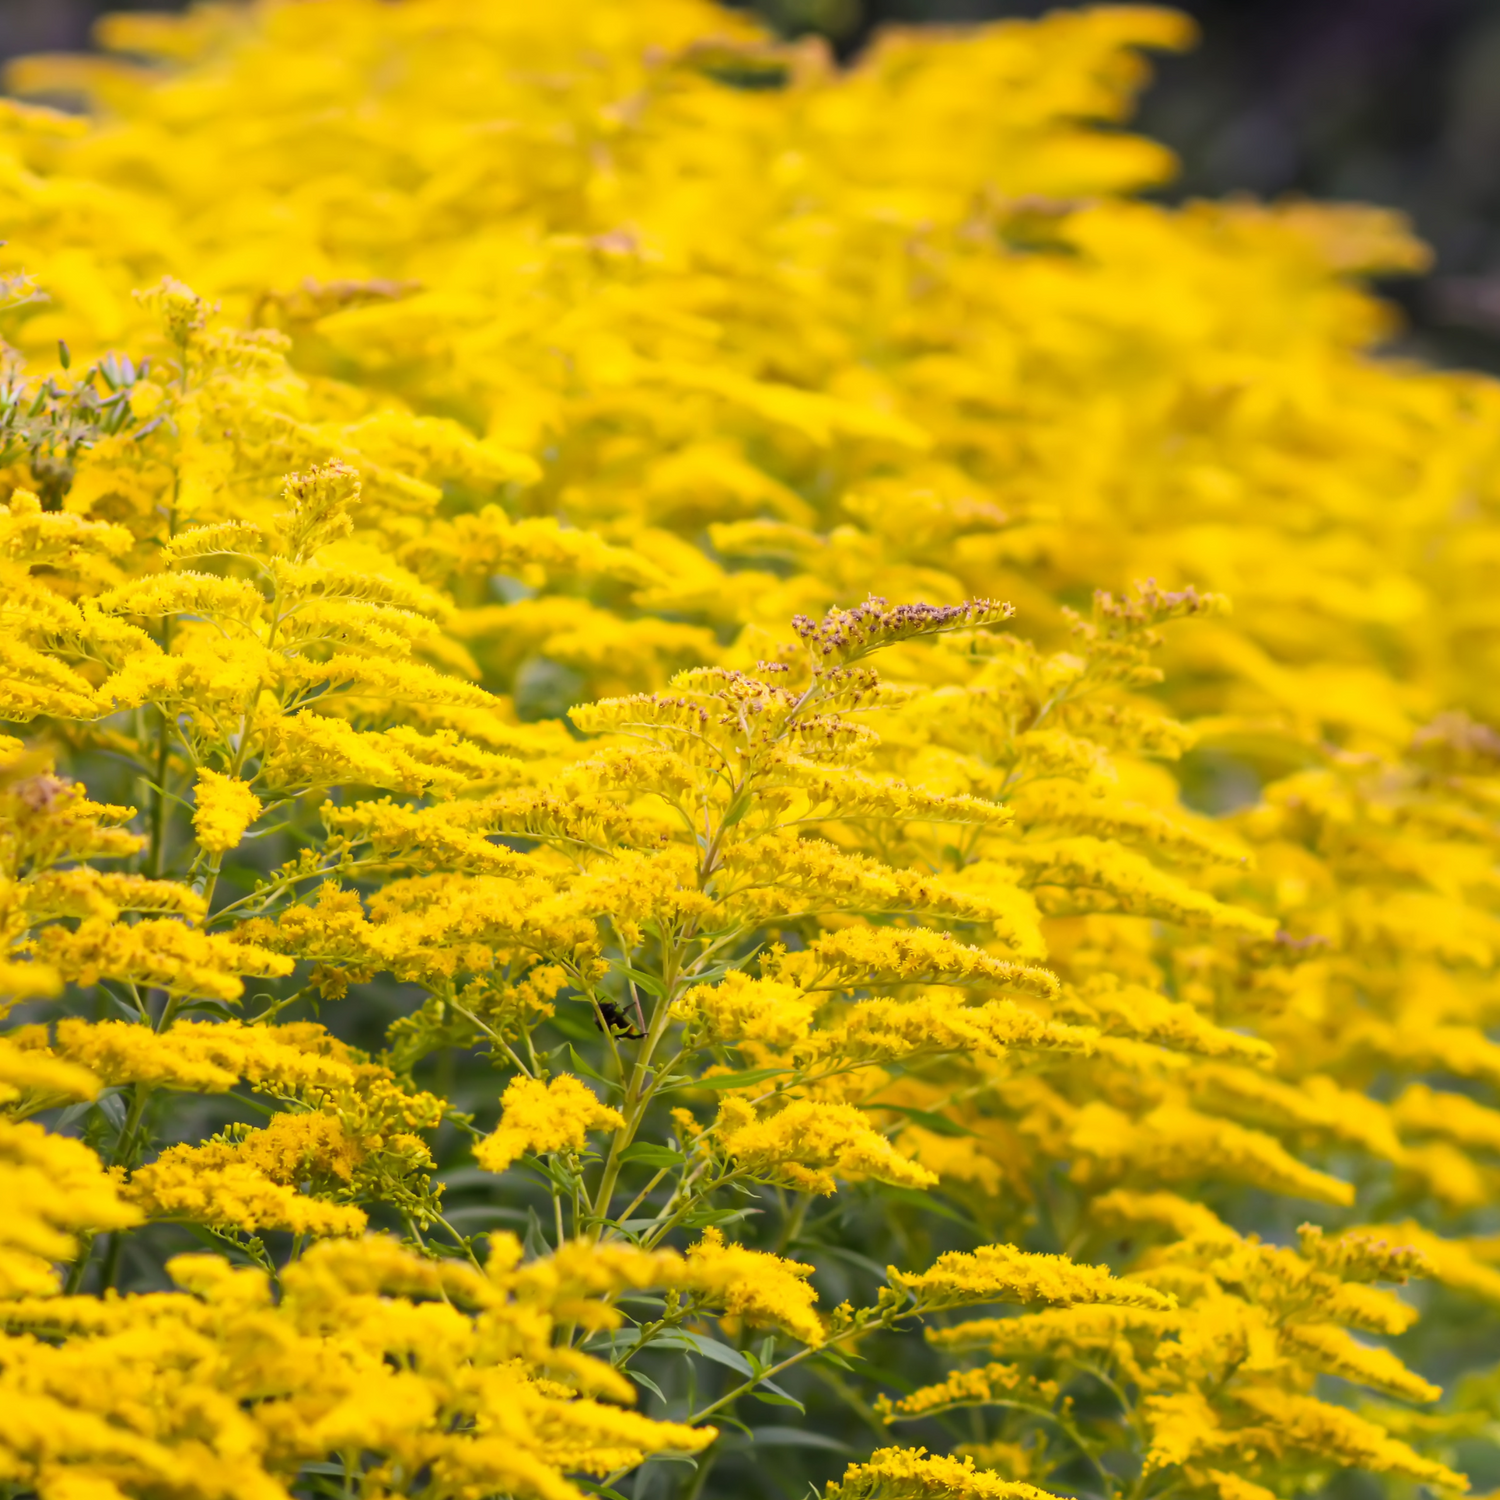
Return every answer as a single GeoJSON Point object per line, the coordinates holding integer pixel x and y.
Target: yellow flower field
{"type": "Point", "coordinates": [722, 774]}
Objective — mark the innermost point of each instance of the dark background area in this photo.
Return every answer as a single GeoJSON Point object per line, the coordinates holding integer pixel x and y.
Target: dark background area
{"type": "Point", "coordinates": [1385, 101]}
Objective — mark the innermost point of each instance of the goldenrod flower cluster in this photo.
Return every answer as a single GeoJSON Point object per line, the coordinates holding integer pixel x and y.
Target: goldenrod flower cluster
{"type": "Point", "coordinates": [693, 734]}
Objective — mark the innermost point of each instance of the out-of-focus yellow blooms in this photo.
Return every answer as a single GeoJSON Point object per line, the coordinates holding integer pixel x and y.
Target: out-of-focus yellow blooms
{"type": "Point", "coordinates": [573, 527]}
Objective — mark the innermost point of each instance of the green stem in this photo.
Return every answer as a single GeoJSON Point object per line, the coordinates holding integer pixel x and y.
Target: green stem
{"type": "Point", "coordinates": [705, 1463]}
{"type": "Point", "coordinates": [124, 1152]}
{"type": "Point", "coordinates": [111, 1266]}
{"type": "Point", "coordinates": [792, 1225]}
{"type": "Point", "coordinates": [495, 1038]}
{"type": "Point", "coordinates": [164, 726]}
{"type": "Point", "coordinates": [885, 1320]}
{"type": "Point", "coordinates": [80, 1265]}
{"type": "Point", "coordinates": [853, 1331]}
{"type": "Point", "coordinates": [681, 1205]}
{"type": "Point", "coordinates": [557, 1212]}
{"type": "Point", "coordinates": [640, 1089]}
{"type": "Point", "coordinates": [458, 1240]}
{"type": "Point", "coordinates": [268, 894]}
{"type": "Point", "coordinates": [157, 853]}
{"type": "Point", "coordinates": [641, 1196]}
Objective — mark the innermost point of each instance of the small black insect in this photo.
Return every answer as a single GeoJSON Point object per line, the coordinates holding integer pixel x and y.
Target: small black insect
{"type": "Point", "coordinates": [612, 1017]}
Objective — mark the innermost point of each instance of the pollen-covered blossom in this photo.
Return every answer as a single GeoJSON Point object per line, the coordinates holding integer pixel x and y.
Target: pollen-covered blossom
{"type": "Point", "coordinates": [251, 1184]}
{"type": "Point", "coordinates": [229, 1389]}
{"type": "Point", "coordinates": [54, 1188]}
{"type": "Point", "coordinates": [904, 956]}
{"type": "Point", "coordinates": [873, 704]}
{"type": "Point", "coordinates": [915, 1474]}
{"type": "Point", "coordinates": [978, 1387]}
{"type": "Point", "coordinates": [813, 1146]}
{"type": "Point", "coordinates": [161, 952]}
{"type": "Point", "coordinates": [1226, 1368]}
{"type": "Point", "coordinates": [1305, 1427]}
{"type": "Point", "coordinates": [205, 1057]}
{"type": "Point", "coordinates": [541, 1117]}
{"type": "Point", "coordinates": [743, 1009]}
{"type": "Point", "coordinates": [1000, 1273]}
{"type": "Point", "coordinates": [764, 1290]}
{"type": "Point", "coordinates": [226, 807]}
{"type": "Point", "coordinates": [29, 1082]}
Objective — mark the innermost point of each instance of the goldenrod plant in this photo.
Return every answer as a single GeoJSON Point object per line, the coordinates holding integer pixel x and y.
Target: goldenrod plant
{"type": "Point", "coordinates": [721, 775]}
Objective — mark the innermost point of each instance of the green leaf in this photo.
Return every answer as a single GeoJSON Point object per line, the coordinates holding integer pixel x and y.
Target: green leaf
{"type": "Point", "coordinates": [554, 1171]}
{"type": "Point", "coordinates": [479, 1214]}
{"type": "Point", "coordinates": [844, 1253]}
{"type": "Point", "coordinates": [834, 1358]}
{"type": "Point", "coordinates": [75, 1112]}
{"type": "Point", "coordinates": [615, 1341]}
{"type": "Point", "coordinates": [774, 1396]}
{"type": "Point", "coordinates": [128, 1013]}
{"type": "Point", "coordinates": [458, 1178]}
{"type": "Point", "coordinates": [535, 1246]}
{"type": "Point", "coordinates": [648, 1154]}
{"type": "Point", "coordinates": [795, 1437]}
{"type": "Point", "coordinates": [651, 983]}
{"type": "Point", "coordinates": [649, 1383]}
{"type": "Point", "coordinates": [574, 1027]}
{"type": "Point", "coordinates": [733, 1080]}
{"type": "Point", "coordinates": [588, 1072]}
{"type": "Point", "coordinates": [929, 1204]}
{"type": "Point", "coordinates": [706, 1216]}
{"type": "Point", "coordinates": [219, 1008]}
{"type": "Point", "coordinates": [737, 809]}
{"type": "Point", "coordinates": [697, 1343]}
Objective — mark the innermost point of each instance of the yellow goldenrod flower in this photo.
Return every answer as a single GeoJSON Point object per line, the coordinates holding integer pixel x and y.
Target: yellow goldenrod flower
{"type": "Point", "coordinates": [568, 489]}
{"type": "Point", "coordinates": [813, 1146]}
{"type": "Point", "coordinates": [914, 1474]}
{"type": "Point", "coordinates": [225, 808]}
{"type": "Point", "coordinates": [55, 1188]}
{"type": "Point", "coordinates": [1000, 1273]}
{"type": "Point", "coordinates": [543, 1117]}
{"type": "Point", "coordinates": [764, 1290]}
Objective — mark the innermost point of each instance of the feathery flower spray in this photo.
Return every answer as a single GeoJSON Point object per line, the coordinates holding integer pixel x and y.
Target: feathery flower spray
{"type": "Point", "coordinates": [553, 919]}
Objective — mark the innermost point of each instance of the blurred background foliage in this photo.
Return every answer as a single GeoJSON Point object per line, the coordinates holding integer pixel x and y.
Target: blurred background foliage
{"type": "Point", "coordinates": [1387, 101]}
